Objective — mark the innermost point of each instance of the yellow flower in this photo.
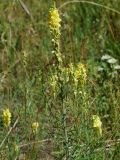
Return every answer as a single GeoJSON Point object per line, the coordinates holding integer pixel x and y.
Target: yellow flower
{"type": "Point", "coordinates": [54, 25]}
{"type": "Point", "coordinates": [80, 74]}
{"type": "Point", "coordinates": [35, 126]}
{"type": "Point", "coordinates": [6, 117]}
{"type": "Point", "coordinates": [54, 19]}
{"type": "Point", "coordinates": [97, 123]}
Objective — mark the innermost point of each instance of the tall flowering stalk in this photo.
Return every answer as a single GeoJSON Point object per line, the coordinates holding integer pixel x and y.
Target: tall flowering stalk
{"type": "Point", "coordinates": [57, 81]}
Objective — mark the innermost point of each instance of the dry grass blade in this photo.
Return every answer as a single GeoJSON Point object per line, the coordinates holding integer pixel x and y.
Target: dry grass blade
{"type": "Point", "coordinates": [89, 2]}
{"type": "Point", "coordinates": [24, 7]}
{"type": "Point", "coordinates": [9, 133]}
{"type": "Point", "coordinates": [35, 142]}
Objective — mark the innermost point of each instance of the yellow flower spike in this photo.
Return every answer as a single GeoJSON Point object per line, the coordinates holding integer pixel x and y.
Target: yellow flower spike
{"type": "Point", "coordinates": [54, 25]}
{"type": "Point", "coordinates": [6, 117]}
{"type": "Point", "coordinates": [54, 19]}
{"type": "Point", "coordinates": [35, 126]}
{"type": "Point", "coordinates": [97, 123]}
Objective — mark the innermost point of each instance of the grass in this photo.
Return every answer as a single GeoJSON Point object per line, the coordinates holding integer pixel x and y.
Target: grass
{"type": "Point", "coordinates": [62, 100]}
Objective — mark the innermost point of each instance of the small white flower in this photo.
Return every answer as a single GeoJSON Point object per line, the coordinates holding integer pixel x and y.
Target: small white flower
{"type": "Point", "coordinates": [112, 60]}
{"type": "Point", "coordinates": [100, 69]}
{"type": "Point", "coordinates": [117, 67]}
{"type": "Point", "coordinates": [105, 57]}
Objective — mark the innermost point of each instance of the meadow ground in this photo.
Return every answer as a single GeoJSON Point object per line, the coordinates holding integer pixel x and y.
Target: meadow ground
{"type": "Point", "coordinates": [59, 80]}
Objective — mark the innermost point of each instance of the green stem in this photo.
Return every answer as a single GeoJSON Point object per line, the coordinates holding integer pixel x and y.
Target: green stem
{"type": "Point", "coordinates": [65, 132]}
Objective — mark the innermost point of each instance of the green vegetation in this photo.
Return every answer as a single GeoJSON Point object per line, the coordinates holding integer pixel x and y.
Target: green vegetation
{"type": "Point", "coordinates": [59, 80]}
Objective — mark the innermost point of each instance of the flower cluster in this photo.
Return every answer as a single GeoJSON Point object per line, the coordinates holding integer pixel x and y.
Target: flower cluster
{"type": "Point", "coordinates": [80, 74]}
{"type": "Point", "coordinates": [54, 25]}
{"type": "Point", "coordinates": [35, 126]}
{"type": "Point", "coordinates": [54, 19]}
{"type": "Point", "coordinates": [79, 77]}
{"type": "Point", "coordinates": [6, 117]}
{"type": "Point", "coordinates": [97, 123]}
